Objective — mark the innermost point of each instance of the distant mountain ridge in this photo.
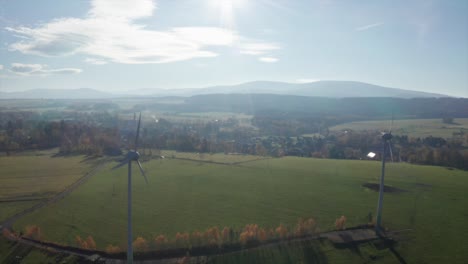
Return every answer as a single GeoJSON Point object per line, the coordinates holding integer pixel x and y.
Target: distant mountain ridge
{"type": "Point", "coordinates": [332, 89]}
{"type": "Point", "coordinates": [81, 93]}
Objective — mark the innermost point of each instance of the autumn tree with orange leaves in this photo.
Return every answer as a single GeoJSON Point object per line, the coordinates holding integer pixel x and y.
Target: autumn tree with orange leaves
{"type": "Point", "coordinates": [196, 239]}
{"type": "Point", "coordinates": [212, 236]}
{"type": "Point", "coordinates": [33, 231]}
{"type": "Point", "coordinates": [87, 243]}
{"type": "Point", "coordinates": [340, 223]}
{"type": "Point", "coordinates": [227, 235]}
{"type": "Point", "coordinates": [140, 244]}
{"type": "Point", "coordinates": [9, 234]}
{"type": "Point", "coordinates": [182, 239]}
{"type": "Point", "coordinates": [160, 241]}
{"type": "Point", "coordinates": [305, 227]}
{"type": "Point", "coordinates": [282, 231]}
{"type": "Point", "coordinates": [113, 249]}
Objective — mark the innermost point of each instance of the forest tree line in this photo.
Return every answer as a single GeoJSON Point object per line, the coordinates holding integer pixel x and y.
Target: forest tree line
{"type": "Point", "coordinates": [106, 134]}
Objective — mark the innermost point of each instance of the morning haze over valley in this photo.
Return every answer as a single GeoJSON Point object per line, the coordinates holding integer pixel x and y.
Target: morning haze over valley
{"type": "Point", "coordinates": [233, 131]}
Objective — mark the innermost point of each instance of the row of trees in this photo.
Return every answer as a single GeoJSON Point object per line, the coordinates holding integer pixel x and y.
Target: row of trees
{"type": "Point", "coordinates": [216, 237]}
{"type": "Point", "coordinates": [93, 134]}
{"type": "Point", "coordinates": [105, 134]}
{"type": "Point", "coordinates": [211, 237]}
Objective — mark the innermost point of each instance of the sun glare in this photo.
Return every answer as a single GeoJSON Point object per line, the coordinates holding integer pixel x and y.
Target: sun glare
{"type": "Point", "coordinates": [226, 10]}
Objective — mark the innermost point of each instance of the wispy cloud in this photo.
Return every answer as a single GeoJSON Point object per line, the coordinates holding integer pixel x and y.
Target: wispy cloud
{"type": "Point", "coordinates": [1, 67]}
{"type": "Point", "coordinates": [306, 80]}
{"type": "Point", "coordinates": [258, 48]}
{"type": "Point", "coordinates": [110, 32]}
{"type": "Point", "coordinates": [39, 70]}
{"type": "Point", "coordinates": [268, 59]}
{"type": "Point", "coordinates": [367, 27]}
{"type": "Point", "coordinates": [95, 61]}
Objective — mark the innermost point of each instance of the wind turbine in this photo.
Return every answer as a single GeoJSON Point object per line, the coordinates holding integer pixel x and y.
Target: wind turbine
{"type": "Point", "coordinates": [386, 138]}
{"type": "Point", "coordinates": [132, 155]}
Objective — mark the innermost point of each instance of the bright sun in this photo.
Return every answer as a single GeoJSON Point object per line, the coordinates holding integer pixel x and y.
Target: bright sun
{"type": "Point", "coordinates": [226, 10]}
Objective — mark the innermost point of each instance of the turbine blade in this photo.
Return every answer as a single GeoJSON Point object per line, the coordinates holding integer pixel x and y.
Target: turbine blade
{"type": "Point", "coordinates": [142, 171]}
{"type": "Point", "coordinates": [122, 163]}
{"type": "Point", "coordinates": [137, 133]}
{"type": "Point", "coordinates": [390, 149]}
{"type": "Point", "coordinates": [391, 126]}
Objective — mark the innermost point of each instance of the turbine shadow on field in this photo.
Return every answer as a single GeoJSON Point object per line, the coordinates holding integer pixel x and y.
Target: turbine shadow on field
{"type": "Point", "coordinates": [16, 251]}
{"type": "Point", "coordinates": [380, 246]}
{"type": "Point", "coordinates": [313, 254]}
{"type": "Point", "coordinates": [390, 245]}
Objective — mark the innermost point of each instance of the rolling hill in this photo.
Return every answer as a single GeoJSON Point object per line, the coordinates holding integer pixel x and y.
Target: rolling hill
{"type": "Point", "coordinates": [331, 89]}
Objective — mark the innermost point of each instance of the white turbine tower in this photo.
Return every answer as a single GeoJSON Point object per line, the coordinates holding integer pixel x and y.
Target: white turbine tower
{"type": "Point", "coordinates": [386, 138]}
{"type": "Point", "coordinates": [132, 155]}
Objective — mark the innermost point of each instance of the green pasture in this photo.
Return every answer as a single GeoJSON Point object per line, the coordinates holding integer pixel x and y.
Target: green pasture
{"type": "Point", "coordinates": [11, 252]}
{"type": "Point", "coordinates": [211, 157]}
{"type": "Point", "coordinates": [317, 252]}
{"type": "Point", "coordinates": [410, 127]}
{"type": "Point", "coordinates": [8, 209]}
{"type": "Point", "coordinates": [36, 177]}
{"type": "Point", "coordinates": [184, 196]}
{"type": "Point", "coordinates": [243, 119]}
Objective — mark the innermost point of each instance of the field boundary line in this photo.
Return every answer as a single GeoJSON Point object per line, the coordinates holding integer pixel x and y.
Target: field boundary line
{"type": "Point", "coordinates": [206, 252]}
{"type": "Point", "coordinates": [7, 223]}
{"type": "Point", "coordinates": [218, 162]}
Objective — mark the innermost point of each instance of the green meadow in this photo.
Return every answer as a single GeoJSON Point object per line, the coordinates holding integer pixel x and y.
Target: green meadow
{"type": "Point", "coordinates": [410, 127]}
{"type": "Point", "coordinates": [19, 253]}
{"type": "Point", "coordinates": [184, 196]}
{"type": "Point", "coordinates": [26, 180]}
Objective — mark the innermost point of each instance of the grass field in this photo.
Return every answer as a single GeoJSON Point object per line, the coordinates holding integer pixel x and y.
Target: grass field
{"type": "Point", "coordinates": [184, 196]}
{"type": "Point", "coordinates": [8, 209]}
{"type": "Point", "coordinates": [317, 252]}
{"type": "Point", "coordinates": [410, 127]}
{"type": "Point", "coordinates": [17, 253]}
{"type": "Point", "coordinates": [215, 157]}
{"type": "Point", "coordinates": [37, 177]}
{"type": "Point", "coordinates": [34, 176]}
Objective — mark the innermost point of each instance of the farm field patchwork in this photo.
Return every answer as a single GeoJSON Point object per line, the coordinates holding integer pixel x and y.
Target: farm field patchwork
{"type": "Point", "coordinates": [38, 177]}
{"type": "Point", "coordinates": [310, 252]}
{"type": "Point", "coordinates": [410, 127]}
{"type": "Point", "coordinates": [8, 209]}
{"type": "Point", "coordinates": [14, 253]}
{"type": "Point", "coordinates": [208, 157]}
{"type": "Point", "coordinates": [184, 196]}
{"type": "Point", "coordinates": [35, 176]}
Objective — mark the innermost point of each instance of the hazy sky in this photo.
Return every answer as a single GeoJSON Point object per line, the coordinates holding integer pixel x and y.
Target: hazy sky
{"type": "Point", "coordinates": [119, 45]}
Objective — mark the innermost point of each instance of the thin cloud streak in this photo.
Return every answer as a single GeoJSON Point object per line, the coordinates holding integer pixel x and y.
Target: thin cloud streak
{"type": "Point", "coordinates": [268, 59]}
{"type": "Point", "coordinates": [40, 70]}
{"type": "Point", "coordinates": [367, 27]}
{"type": "Point", "coordinates": [95, 61]}
{"type": "Point", "coordinates": [258, 48]}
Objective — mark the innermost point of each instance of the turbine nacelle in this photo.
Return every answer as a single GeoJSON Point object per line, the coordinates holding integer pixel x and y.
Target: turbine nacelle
{"type": "Point", "coordinates": [132, 155]}
{"type": "Point", "coordinates": [387, 136]}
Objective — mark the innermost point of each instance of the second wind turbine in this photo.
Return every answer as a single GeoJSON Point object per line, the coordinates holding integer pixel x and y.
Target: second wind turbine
{"type": "Point", "coordinates": [132, 155]}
